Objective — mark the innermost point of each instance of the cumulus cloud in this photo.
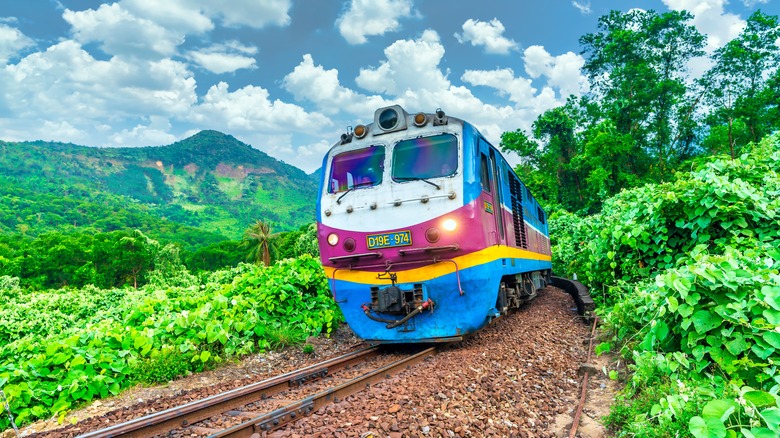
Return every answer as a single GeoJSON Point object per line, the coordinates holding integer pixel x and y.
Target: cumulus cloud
{"type": "Point", "coordinates": [562, 72]}
{"type": "Point", "coordinates": [518, 90]}
{"type": "Point", "coordinates": [153, 29]}
{"type": "Point", "coordinates": [155, 132]}
{"type": "Point", "coordinates": [196, 16]}
{"type": "Point", "coordinates": [711, 19]}
{"type": "Point", "coordinates": [66, 81]}
{"type": "Point", "coordinates": [225, 58]}
{"type": "Point", "coordinates": [486, 34]}
{"type": "Point", "coordinates": [250, 108]}
{"type": "Point", "coordinates": [372, 17]}
{"type": "Point", "coordinates": [119, 32]}
{"type": "Point", "coordinates": [410, 65]}
{"type": "Point", "coordinates": [322, 87]}
{"type": "Point", "coordinates": [12, 41]}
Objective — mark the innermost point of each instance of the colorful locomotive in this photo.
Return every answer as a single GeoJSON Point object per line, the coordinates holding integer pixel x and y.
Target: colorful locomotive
{"type": "Point", "coordinates": [425, 231]}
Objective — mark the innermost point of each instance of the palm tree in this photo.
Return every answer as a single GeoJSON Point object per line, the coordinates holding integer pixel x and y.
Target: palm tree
{"type": "Point", "coordinates": [258, 240]}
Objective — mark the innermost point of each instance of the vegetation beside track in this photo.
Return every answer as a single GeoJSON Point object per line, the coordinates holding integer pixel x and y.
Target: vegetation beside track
{"type": "Point", "coordinates": [61, 348]}
{"type": "Point", "coordinates": [686, 274]}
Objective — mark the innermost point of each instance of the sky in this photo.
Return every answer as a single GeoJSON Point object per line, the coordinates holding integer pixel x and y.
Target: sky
{"type": "Point", "coordinates": [290, 76]}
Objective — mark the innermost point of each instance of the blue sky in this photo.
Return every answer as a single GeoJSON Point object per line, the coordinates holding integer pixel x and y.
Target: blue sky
{"type": "Point", "coordinates": [289, 76]}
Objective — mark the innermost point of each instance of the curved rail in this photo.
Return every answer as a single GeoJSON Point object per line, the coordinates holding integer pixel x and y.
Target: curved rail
{"type": "Point", "coordinates": [276, 419]}
{"type": "Point", "coordinates": [182, 416]}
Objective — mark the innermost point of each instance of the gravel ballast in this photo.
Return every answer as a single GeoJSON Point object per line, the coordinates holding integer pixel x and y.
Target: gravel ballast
{"type": "Point", "coordinates": [515, 378]}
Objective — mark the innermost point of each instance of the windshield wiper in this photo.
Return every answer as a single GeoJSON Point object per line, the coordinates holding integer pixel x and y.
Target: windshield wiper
{"type": "Point", "coordinates": [354, 186]}
{"type": "Point", "coordinates": [417, 178]}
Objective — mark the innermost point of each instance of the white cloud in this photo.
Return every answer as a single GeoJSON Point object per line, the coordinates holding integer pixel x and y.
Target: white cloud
{"type": "Point", "coordinates": [156, 132]}
{"type": "Point", "coordinates": [67, 83]}
{"type": "Point", "coordinates": [249, 108]}
{"type": "Point", "coordinates": [752, 3]}
{"type": "Point", "coordinates": [489, 35]}
{"type": "Point", "coordinates": [225, 58]}
{"type": "Point", "coordinates": [711, 19]}
{"type": "Point", "coordinates": [583, 7]}
{"type": "Point", "coordinates": [153, 29]}
{"type": "Point", "coordinates": [121, 33]}
{"type": "Point", "coordinates": [251, 13]}
{"type": "Point", "coordinates": [372, 17]}
{"type": "Point", "coordinates": [322, 87]}
{"type": "Point", "coordinates": [410, 65]}
{"type": "Point", "coordinates": [562, 72]}
{"type": "Point", "coordinates": [12, 41]}
{"type": "Point", "coordinates": [518, 90]}
{"type": "Point", "coordinates": [196, 16]}
{"type": "Point", "coordinates": [177, 15]}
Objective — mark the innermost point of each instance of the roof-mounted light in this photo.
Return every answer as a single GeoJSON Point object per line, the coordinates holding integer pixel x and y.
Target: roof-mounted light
{"type": "Point", "coordinates": [360, 131]}
{"type": "Point", "coordinates": [420, 119]}
{"type": "Point", "coordinates": [389, 119]}
{"type": "Point", "coordinates": [439, 118]}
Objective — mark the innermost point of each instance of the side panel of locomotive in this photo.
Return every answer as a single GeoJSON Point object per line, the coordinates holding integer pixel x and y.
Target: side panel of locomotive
{"type": "Point", "coordinates": [422, 227]}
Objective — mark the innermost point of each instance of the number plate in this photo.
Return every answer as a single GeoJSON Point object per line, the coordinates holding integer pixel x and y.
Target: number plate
{"type": "Point", "coordinates": [389, 240]}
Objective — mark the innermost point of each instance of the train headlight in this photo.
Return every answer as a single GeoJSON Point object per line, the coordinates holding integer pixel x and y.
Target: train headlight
{"type": "Point", "coordinates": [388, 119]}
{"type": "Point", "coordinates": [449, 225]}
{"type": "Point", "coordinates": [420, 119]}
{"type": "Point", "coordinates": [333, 239]}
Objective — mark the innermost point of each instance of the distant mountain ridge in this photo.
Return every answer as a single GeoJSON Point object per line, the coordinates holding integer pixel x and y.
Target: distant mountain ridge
{"type": "Point", "coordinates": [210, 181]}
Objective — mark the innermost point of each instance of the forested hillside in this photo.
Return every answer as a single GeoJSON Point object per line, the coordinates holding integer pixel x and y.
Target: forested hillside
{"type": "Point", "coordinates": [210, 182]}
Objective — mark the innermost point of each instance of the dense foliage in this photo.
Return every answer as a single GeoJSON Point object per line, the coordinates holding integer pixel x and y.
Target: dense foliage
{"type": "Point", "coordinates": [78, 257]}
{"type": "Point", "coordinates": [646, 115]}
{"type": "Point", "coordinates": [688, 277]}
{"type": "Point", "coordinates": [61, 348]}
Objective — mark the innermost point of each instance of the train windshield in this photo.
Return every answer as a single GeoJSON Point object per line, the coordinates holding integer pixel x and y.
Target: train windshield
{"type": "Point", "coordinates": [426, 157]}
{"type": "Point", "coordinates": [357, 169]}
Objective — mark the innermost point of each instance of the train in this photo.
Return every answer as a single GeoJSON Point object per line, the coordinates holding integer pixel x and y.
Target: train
{"type": "Point", "coordinates": [426, 234]}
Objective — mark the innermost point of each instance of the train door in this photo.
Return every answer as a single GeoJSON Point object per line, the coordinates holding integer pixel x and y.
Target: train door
{"type": "Point", "coordinates": [490, 178]}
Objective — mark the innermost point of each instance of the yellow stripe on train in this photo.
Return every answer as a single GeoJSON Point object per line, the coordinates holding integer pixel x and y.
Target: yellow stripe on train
{"type": "Point", "coordinates": [443, 267]}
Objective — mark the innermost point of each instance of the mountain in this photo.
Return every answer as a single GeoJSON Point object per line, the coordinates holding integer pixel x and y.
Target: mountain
{"type": "Point", "coordinates": [210, 182]}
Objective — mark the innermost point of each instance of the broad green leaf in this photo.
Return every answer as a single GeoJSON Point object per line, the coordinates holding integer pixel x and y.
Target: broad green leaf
{"type": "Point", "coordinates": [772, 418]}
{"type": "Point", "coordinates": [760, 399]}
{"type": "Point", "coordinates": [719, 409]}
{"type": "Point", "coordinates": [758, 432]}
{"type": "Point", "coordinates": [710, 428]}
{"type": "Point", "coordinates": [737, 345]}
{"type": "Point", "coordinates": [773, 338]}
{"type": "Point", "coordinates": [204, 356]}
{"type": "Point", "coordinates": [704, 321]}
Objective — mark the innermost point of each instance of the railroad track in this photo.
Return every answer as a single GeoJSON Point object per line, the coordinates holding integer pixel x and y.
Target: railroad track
{"type": "Point", "coordinates": [239, 402]}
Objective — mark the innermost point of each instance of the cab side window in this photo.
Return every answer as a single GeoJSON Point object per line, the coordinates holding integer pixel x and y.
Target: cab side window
{"type": "Point", "coordinates": [484, 172]}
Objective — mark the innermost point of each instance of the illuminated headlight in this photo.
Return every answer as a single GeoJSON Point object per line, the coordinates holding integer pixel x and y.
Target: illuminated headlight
{"type": "Point", "coordinates": [449, 225]}
{"type": "Point", "coordinates": [333, 239]}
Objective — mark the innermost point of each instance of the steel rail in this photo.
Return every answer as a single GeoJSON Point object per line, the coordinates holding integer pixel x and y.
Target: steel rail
{"type": "Point", "coordinates": [277, 418]}
{"type": "Point", "coordinates": [190, 413]}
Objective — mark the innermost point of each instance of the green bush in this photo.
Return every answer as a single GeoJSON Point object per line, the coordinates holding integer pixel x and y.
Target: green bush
{"type": "Point", "coordinates": [143, 336]}
{"type": "Point", "coordinates": [687, 276]}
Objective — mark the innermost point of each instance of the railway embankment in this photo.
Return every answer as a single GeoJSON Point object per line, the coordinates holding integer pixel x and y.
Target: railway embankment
{"type": "Point", "coordinates": [519, 377]}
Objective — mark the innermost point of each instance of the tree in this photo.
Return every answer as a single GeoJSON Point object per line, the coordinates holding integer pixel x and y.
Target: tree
{"type": "Point", "coordinates": [547, 155]}
{"type": "Point", "coordinates": [636, 64]}
{"type": "Point", "coordinates": [258, 240]}
{"type": "Point", "coordinates": [739, 85]}
{"type": "Point", "coordinates": [136, 255]}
